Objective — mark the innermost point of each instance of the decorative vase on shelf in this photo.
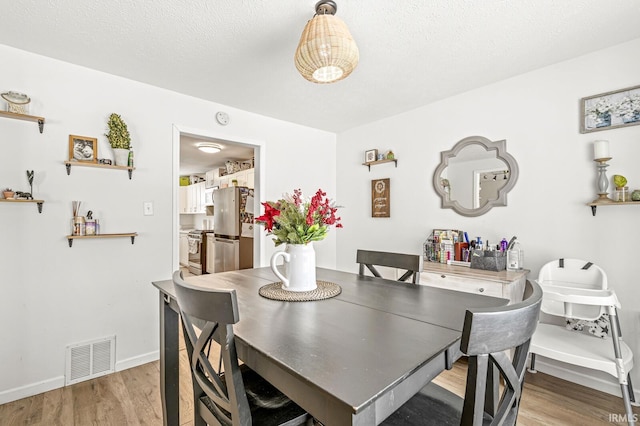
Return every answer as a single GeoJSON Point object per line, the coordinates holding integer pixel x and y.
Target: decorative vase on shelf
{"type": "Point", "coordinates": [299, 267]}
{"type": "Point", "coordinates": [121, 156]}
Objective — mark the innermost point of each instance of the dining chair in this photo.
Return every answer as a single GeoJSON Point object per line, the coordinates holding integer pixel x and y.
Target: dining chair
{"type": "Point", "coordinates": [231, 394]}
{"type": "Point", "coordinates": [488, 335]}
{"type": "Point", "coordinates": [578, 291]}
{"type": "Point", "coordinates": [412, 263]}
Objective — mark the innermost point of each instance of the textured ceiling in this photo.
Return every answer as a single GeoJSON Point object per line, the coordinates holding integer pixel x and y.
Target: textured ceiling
{"type": "Point", "coordinates": [240, 52]}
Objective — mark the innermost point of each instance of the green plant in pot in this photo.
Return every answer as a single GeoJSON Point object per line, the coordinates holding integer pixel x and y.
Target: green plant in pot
{"type": "Point", "coordinates": [119, 139]}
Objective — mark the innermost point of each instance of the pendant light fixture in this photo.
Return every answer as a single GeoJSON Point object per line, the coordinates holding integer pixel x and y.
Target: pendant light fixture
{"type": "Point", "coordinates": [326, 52]}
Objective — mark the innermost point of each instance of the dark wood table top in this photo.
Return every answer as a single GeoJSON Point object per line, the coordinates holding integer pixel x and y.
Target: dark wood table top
{"type": "Point", "coordinates": [350, 348]}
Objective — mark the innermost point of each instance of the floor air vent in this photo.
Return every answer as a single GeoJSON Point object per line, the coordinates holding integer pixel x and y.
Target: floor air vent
{"type": "Point", "coordinates": [90, 359]}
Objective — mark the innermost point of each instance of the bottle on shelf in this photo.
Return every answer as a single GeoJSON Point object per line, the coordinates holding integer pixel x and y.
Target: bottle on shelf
{"type": "Point", "coordinates": [515, 256]}
{"type": "Point", "coordinates": [504, 244]}
{"type": "Point", "coordinates": [130, 160]}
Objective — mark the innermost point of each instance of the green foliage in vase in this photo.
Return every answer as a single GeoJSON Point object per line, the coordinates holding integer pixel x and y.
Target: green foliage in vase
{"type": "Point", "coordinates": [118, 134]}
{"type": "Point", "coordinates": [619, 181]}
{"type": "Point", "coordinates": [296, 220]}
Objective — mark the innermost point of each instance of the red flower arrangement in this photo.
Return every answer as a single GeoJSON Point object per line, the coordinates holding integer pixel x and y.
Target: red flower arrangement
{"type": "Point", "coordinates": [293, 220]}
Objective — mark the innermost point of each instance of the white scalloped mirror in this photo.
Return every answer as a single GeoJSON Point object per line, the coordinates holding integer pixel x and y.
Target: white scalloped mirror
{"type": "Point", "coordinates": [475, 176]}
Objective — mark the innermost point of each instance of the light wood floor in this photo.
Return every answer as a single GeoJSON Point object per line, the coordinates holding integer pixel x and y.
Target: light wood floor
{"type": "Point", "coordinates": [132, 397]}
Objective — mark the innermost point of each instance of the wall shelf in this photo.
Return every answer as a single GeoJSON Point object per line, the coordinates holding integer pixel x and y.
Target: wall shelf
{"type": "Point", "coordinates": [25, 117]}
{"type": "Point", "coordinates": [373, 163]}
{"type": "Point", "coordinates": [68, 164]}
{"type": "Point", "coordinates": [39, 202]}
{"type": "Point", "coordinates": [70, 238]}
{"type": "Point", "coordinates": [595, 204]}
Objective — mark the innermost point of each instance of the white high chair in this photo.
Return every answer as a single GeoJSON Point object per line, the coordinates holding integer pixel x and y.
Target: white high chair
{"type": "Point", "coordinates": [574, 288]}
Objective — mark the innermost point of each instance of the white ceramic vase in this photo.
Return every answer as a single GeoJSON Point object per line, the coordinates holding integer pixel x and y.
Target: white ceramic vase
{"type": "Point", "coordinates": [121, 156]}
{"type": "Point", "coordinates": [299, 267]}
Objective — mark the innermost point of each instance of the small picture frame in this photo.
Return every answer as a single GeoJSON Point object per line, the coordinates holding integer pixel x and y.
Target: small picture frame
{"type": "Point", "coordinates": [370, 155]}
{"type": "Point", "coordinates": [83, 148]}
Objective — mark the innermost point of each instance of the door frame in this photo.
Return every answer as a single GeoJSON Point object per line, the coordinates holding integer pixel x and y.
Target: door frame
{"type": "Point", "coordinates": [259, 147]}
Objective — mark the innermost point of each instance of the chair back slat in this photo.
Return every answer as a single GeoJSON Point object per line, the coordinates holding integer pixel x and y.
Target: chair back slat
{"type": "Point", "coordinates": [411, 263]}
{"type": "Point", "coordinates": [487, 334]}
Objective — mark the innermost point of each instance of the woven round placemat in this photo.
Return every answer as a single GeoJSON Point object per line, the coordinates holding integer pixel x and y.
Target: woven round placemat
{"type": "Point", "coordinates": [324, 290]}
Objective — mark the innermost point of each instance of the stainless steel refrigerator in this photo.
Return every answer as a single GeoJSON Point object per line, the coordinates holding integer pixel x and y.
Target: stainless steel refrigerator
{"type": "Point", "coordinates": [232, 250]}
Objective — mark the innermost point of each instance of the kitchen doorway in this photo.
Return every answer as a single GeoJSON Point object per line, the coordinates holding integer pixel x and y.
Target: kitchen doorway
{"type": "Point", "coordinates": [238, 145]}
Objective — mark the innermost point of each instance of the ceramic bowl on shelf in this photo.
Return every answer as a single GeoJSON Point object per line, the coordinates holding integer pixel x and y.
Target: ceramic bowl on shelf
{"type": "Point", "coordinates": [8, 194]}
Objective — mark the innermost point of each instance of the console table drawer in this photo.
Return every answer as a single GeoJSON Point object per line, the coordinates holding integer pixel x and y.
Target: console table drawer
{"type": "Point", "coordinates": [457, 283]}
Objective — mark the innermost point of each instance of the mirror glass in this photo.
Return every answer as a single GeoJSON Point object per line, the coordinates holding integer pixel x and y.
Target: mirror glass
{"type": "Point", "coordinates": [475, 176]}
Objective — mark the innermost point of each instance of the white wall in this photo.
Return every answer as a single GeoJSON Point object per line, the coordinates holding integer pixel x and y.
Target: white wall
{"type": "Point", "coordinates": [538, 114]}
{"type": "Point", "coordinates": [53, 295]}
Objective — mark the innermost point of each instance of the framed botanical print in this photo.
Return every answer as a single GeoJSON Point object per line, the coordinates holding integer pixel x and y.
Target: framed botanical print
{"type": "Point", "coordinates": [610, 110]}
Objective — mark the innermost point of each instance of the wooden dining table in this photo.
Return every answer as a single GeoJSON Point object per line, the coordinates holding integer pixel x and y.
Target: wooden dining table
{"type": "Point", "coordinates": [349, 360]}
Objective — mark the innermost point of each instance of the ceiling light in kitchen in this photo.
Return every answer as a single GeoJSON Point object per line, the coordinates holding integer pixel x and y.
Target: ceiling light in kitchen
{"type": "Point", "coordinates": [209, 148]}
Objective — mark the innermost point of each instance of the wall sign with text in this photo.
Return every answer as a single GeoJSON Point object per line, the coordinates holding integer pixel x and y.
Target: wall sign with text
{"type": "Point", "coordinates": [380, 198]}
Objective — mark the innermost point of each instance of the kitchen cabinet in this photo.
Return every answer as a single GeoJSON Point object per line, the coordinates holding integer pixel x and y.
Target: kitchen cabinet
{"type": "Point", "coordinates": [244, 178]}
{"type": "Point", "coordinates": [184, 249]}
{"type": "Point", "coordinates": [192, 199]}
{"type": "Point", "coordinates": [183, 194]}
{"type": "Point", "coordinates": [251, 178]}
{"type": "Point", "coordinates": [505, 284]}
{"type": "Point", "coordinates": [210, 178]}
{"type": "Point", "coordinates": [211, 253]}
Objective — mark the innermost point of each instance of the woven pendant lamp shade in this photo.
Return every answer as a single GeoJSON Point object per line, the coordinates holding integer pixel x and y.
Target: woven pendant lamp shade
{"type": "Point", "coordinates": [326, 52]}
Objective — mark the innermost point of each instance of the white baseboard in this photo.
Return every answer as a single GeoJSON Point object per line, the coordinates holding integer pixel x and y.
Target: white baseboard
{"type": "Point", "coordinates": [25, 391]}
{"type": "Point", "coordinates": [15, 394]}
{"type": "Point", "coordinates": [608, 386]}
{"type": "Point", "coordinates": [125, 364]}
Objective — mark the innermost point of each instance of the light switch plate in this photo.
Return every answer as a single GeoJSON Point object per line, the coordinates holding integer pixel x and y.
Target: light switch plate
{"type": "Point", "coordinates": [148, 208]}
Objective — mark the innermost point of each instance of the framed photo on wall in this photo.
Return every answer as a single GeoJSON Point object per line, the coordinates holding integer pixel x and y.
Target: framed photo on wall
{"type": "Point", "coordinates": [610, 110]}
{"type": "Point", "coordinates": [83, 148]}
{"type": "Point", "coordinates": [381, 198]}
{"type": "Point", "coordinates": [370, 155]}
